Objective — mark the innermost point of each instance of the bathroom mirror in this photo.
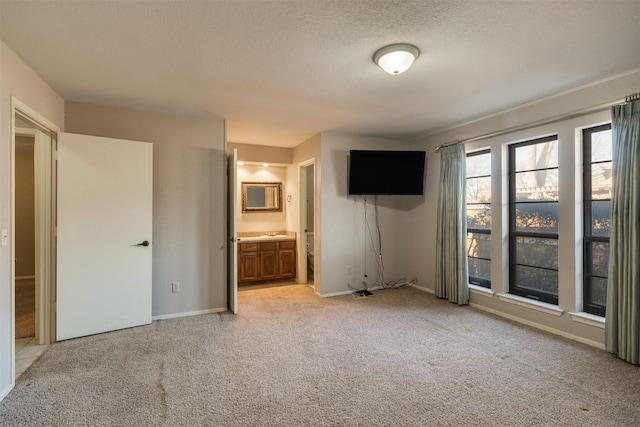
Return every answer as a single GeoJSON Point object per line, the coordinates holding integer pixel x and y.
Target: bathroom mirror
{"type": "Point", "coordinates": [261, 197]}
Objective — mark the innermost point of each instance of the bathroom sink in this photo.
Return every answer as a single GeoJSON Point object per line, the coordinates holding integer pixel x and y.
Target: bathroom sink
{"type": "Point", "coordinates": [275, 236]}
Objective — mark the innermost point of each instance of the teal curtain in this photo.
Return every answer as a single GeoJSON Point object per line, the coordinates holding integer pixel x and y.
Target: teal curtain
{"type": "Point", "coordinates": [622, 327]}
{"type": "Point", "coordinates": [452, 272]}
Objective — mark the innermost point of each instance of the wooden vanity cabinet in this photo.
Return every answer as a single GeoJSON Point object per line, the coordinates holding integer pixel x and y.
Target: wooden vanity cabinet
{"type": "Point", "coordinates": [287, 258]}
{"type": "Point", "coordinates": [248, 261]}
{"type": "Point", "coordinates": [266, 260]}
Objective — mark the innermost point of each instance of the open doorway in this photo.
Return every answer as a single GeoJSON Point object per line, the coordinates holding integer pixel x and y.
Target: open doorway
{"type": "Point", "coordinates": [307, 222]}
{"type": "Point", "coordinates": [32, 243]}
{"type": "Point", "coordinates": [25, 252]}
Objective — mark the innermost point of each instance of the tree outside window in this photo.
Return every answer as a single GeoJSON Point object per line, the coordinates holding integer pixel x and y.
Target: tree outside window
{"type": "Point", "coordinates": [533, 219]}
{"type": "Point", "coordinates": [479, 217]}
{"type": "Point", "coordinates": [597, 185]}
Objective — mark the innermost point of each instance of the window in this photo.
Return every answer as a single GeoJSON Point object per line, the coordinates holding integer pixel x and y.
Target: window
{"type": "Point", "coordinates": [533, 219]}
{"type": "Point", "coordinates": [479, 217]}
{"type": "Point", "coordinates": [597, 217]}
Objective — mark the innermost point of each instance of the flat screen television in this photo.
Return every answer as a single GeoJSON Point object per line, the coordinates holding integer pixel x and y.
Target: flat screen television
{"type": "Point", "coordinates": [386, 172]}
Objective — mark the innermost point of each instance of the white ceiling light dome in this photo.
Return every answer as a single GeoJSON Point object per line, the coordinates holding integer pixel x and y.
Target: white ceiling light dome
{"type": "Point", "coordinates": [396, 58]}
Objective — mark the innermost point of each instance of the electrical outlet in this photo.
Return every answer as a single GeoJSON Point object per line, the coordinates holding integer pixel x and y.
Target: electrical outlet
{"type": "Point", "coordinates": [348, 270]}
{"type": "Point", "coordinates": [175, 287]}
{"type": "Point", "coordinates": [414, 280]}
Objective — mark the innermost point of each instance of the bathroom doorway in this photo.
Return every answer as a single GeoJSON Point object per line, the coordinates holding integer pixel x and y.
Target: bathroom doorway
{"type": "Point", "coordinates": [34, 192]}
{"type": "Point", "coordinates": [308, 223]}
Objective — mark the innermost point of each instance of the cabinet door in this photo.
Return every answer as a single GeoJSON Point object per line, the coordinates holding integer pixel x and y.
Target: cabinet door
{"type": "Point", "coordinates": [248, 266]}
{"type": "Point", "coordinates": [269, 265]}
{"type": "Point", "coordinates": [287, 263]}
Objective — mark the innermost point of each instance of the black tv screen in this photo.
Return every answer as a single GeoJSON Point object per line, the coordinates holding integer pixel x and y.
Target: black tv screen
{"type": "Point", "coordinates": [386, 172]}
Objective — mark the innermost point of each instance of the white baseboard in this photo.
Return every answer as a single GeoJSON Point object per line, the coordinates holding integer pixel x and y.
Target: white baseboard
{"type": "Point", "coordinates": [189, 313]}
{"type": "Point", "coordinates": [527, 322]}
{"type": "Point", "coordinates": [335, 294]}
{"type": "Point", "coordinates": [540, 326]}
{"type": "Point", "coordinates": [375, 288]}
{"type": "Point", "coordinates": [423, 289]}
{"type": "Point", "coordinates": [5, 392]}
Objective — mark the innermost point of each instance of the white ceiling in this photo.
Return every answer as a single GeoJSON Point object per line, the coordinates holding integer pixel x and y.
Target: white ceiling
{"type": "Point", "coordinates": [282, 71]}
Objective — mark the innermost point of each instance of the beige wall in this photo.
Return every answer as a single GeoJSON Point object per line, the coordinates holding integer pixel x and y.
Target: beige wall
{"type": "Point", "coordinates": [189, 200]}
{"type": "Point", "coordinates": [345, 243]}
{"type": "Point", "coordinates": [262, 153]}
{"type": "Point", "coordinates": [25, 208]}
{"type": "Point", "coordinates": [16, 79]}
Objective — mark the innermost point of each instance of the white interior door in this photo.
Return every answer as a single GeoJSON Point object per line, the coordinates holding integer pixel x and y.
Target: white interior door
{"type": "Point", "coordinates": [43, 226]}
{"type": "Point", "coordinates": [104, 219]}
{"type": "Point", "coordinates": [233, 231]}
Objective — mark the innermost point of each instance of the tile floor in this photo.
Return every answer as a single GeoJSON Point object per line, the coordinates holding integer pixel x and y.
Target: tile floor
{"type": "Point", "coordinates": [27, 351]}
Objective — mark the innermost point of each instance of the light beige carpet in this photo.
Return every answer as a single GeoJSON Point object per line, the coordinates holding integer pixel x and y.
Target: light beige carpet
{"type": "Point", "coordinates": [290, 358]}
{"type": "Point", "coordinates": [25, 308]}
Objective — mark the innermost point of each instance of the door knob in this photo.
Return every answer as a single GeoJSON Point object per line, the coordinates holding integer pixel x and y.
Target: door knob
{"type": "Point", "coordinates": [145, 243]}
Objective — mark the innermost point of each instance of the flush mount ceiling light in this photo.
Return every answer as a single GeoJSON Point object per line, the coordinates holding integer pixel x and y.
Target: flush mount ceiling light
{"type": "Point", "coordinates": [396, 58]}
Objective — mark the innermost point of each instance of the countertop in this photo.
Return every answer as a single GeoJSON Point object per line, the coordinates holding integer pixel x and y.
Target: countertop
{"type": "Point", "coordinates": [276, 238]}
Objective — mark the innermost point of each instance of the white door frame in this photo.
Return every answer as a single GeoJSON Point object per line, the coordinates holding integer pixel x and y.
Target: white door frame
{"type": "Point", "coordinates": [44, 239]}
{"type": "Point", "coordinates": [232, 227]}
{"type": "Point", "coordinates": [302, 212]}
{"type": "Point", "coordinates": [42, 227]}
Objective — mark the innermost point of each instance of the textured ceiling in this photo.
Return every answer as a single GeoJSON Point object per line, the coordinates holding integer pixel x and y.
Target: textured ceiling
{"type": "Point", "coordinates": [281, 71]}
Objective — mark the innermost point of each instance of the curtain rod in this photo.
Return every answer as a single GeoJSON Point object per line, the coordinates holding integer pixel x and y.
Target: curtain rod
{"type": "Point", "coordinates": [549, 120]}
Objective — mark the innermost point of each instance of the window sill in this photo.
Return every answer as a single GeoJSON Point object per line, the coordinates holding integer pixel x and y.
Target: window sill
{"type": "Point", "coordinates": [479, 290]}
{"type": "Point", "coordinates": [588, 319]}
{"type": "Point", "coordinates": [532, 304]}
